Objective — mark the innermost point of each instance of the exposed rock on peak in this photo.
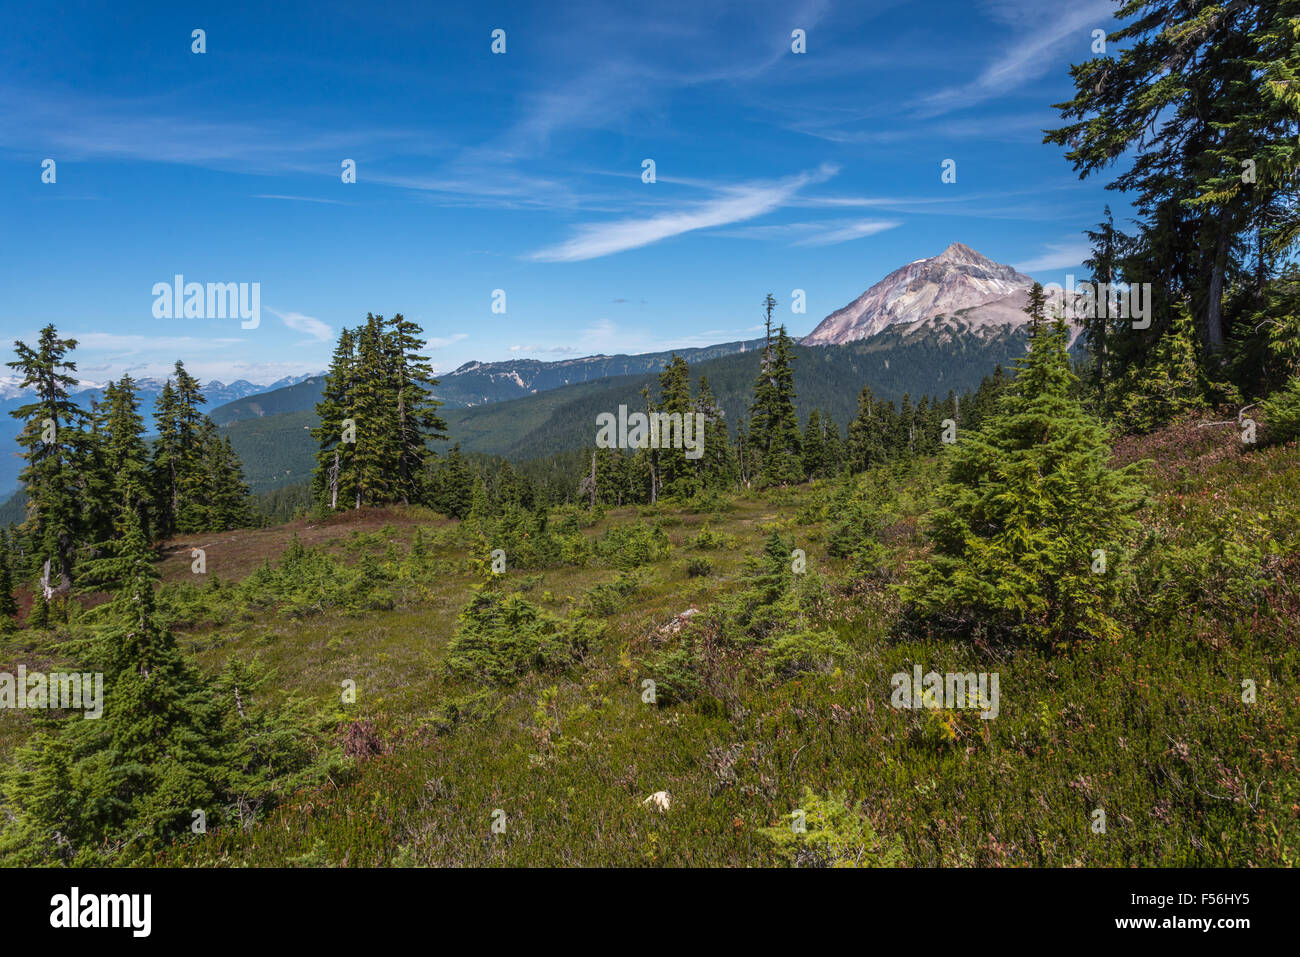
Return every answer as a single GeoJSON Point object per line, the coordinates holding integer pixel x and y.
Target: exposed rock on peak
{"type": "Point", "coordinates": [959, 281]}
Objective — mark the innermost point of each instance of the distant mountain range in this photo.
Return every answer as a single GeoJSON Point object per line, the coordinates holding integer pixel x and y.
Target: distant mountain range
{"type": "Point", "coordinates": [87, 393]}
{"type": "Point", "coordinates": [935, 324]}
{"type": "Point", "coordinates": [921, 358]}
{"type": "Point", "coordinates": [479, 383]}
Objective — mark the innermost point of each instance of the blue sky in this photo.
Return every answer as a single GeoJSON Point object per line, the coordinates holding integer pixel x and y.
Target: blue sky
{"type": "Point", "coordinates": [523, 171]}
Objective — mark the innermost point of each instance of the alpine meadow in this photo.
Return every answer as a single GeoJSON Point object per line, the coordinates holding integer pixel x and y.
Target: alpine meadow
{"type": "Point", "coordinates": [746, 435]}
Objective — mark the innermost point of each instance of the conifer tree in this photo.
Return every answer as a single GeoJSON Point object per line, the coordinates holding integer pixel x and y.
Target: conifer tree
{"type": "Point", "coordinates": [1108, 248]}
{"type": "Point", "coordinates": [774, 425]}
{"type": "Point", "coordinates": [814, 446]}
{"type": "Point", "coordinates": [333, 476]}
{"type": "Point", "coordinates": [611, 475]}
{"type": "Point", "coordinates": [55, 447]}
{"type": "Point", "coordinates": [869, 434]}
{"type": "Point", "coordinates": [678, 476]}
{"type": "Point", "coordinates": [378, 443]}
{"type": "Point", "coordinates": [833, 454]}
{"type": "Point", "coordinates": [718, 468]}
{"type": "Point", "coordinates": [1167, 385]}
{"type": "Point", "coordinates": [904, 428]}
{"type": "Point", "coordinates": [1033, 506]}
{"type": "Point", "coordinates": [8, 605]}
{"type": "Point", "coordinates": [227, 496]}
{"type": "Point", "coordinates": [39, 616]}
{"type": "Point", "coordinates": [452, 491]}
{"type": "Point", "coordinates": [154, 755]}
{"type": "Point", "coordinates": [1036, 307]}
{"type": "Point", "coordinates": [177, 473]}
{"type": "Point", "coordinates": [1197, 89]}
{"type": "Point", "coordinates": [415, 412]}
{"type": "Point", "coordinates": [126, 456]}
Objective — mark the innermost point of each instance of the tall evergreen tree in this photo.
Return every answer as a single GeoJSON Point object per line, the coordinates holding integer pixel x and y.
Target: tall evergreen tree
{"type": "Point", "coordinates": [55, 447]}
{"type": "Point", "coordinates": [1108, 249]}
{"type": "Point", "coordinates": [333, 479]}
{"type": "Point", "coordinates": [176, 467]}
{"type": "Point", "coordinates": [452, 487]}
{"type": "Point", "coordinates": [718, 468]}
{"type": "Point", "coordinates": [127, 782]}
{"type": "Point", "coordinates": [126, 456]}
{"type": "Point", "coordinates": [415, 412]}
{"type": "Point", "coordinates": [814, 446]}
{"type": "Point", "coordinates": [774, 424]}
{"type": "Point", "coordinates": [679, 476]}
{"type": "Point", "coordinates": [1198, 88]}
{"type": "Point", "coordinates": [8, 605]}
{"type": "Point", "coordinates": [869, 434]}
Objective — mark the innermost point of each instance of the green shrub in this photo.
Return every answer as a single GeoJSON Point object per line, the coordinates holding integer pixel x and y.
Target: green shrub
{"type": "Point", "coordinates": [501, 638]}
{"type": "Point", "coordinates": [699, 568]}
{"type": "Point", "coordinates": [801, 652]}
{"type": "Point", "coordinates": [1282, 413]}
{"type": "Point", "coordinates": [832, 835]}
{"type": "Point", "coordinates": [608, 598]}
{"type": "Point", "coordinates": [1030, 506]}
{"type": "Point", "coordinates": [629, 547]}
{"type": "Point", "coordinates": [675, 673]}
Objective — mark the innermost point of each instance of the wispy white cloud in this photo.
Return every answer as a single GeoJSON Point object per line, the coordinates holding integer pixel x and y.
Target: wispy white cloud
{"type": "Point", "coordinates": [435, 342]}
{"type": "Point", "coordinates": [306, 324]}
{"type": "Point", "coordinates": [1037, 46]}
{"type": "Point", "coordinates": [301, 199]}
{"type": "Point", "coordinates": [1057, 256]}
{"type": "Point", "coordinates": [737, 204]}
{"type": "Point", "coordinates": [825, 233]}
{"type": "Point", "coordinates": [849, 231]}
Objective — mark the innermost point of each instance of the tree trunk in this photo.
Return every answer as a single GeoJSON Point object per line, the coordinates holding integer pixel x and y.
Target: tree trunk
{"type": "Point", "coordinates": [1214, 299]}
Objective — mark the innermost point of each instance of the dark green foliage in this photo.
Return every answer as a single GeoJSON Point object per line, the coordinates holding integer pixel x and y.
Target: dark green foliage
{"type": "Point", "coordinates": [126, 783]}
{"type": "Point", "coordinates": [451, 485]}
{"type": "Point", "coordinates": [500, 638]}
{"type": "Point", "coordinates": [629, 547]}
{"type": "Point", "coordinates": [774, 424]}
{"type": "Point", "coordinates": [1282, 413]}
{"type": "Point", "coordinates": [1168, 384]}
{"type": "Point", "coordinates": [699, 567]}
{"type": "Point", "coordinates": [56, 450]}
{"type": "Point", "coordinates": [8, 606]}
{"type": "Point", "coordinates": [376, 417]}
{"type": "Point", "coordinates": [1031, 502]}
{"type": "Point", "coordinates": [609, 598]}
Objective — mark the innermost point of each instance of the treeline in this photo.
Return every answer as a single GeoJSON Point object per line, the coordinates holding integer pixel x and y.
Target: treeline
{"type": "Point", "coordinates": [771, 449]}
{"type": "Point", "coordinates": [378, 418]}
{"type": "Point", "coordinates": [89, 473]}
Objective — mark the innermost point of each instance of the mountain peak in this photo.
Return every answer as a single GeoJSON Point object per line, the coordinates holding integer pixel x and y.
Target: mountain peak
{"type": "Point", "coordinates": [960, 252]}
{"type": "Point", "coordinates": [957, 281]}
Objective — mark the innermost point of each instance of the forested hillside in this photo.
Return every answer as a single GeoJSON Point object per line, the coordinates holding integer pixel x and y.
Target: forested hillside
{"type": "Point", "coordinates": [919, 361]}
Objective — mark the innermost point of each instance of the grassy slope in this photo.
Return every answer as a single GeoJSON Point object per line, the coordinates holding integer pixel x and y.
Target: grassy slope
{"type": "Point", "coordinates": [1149, 727]}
